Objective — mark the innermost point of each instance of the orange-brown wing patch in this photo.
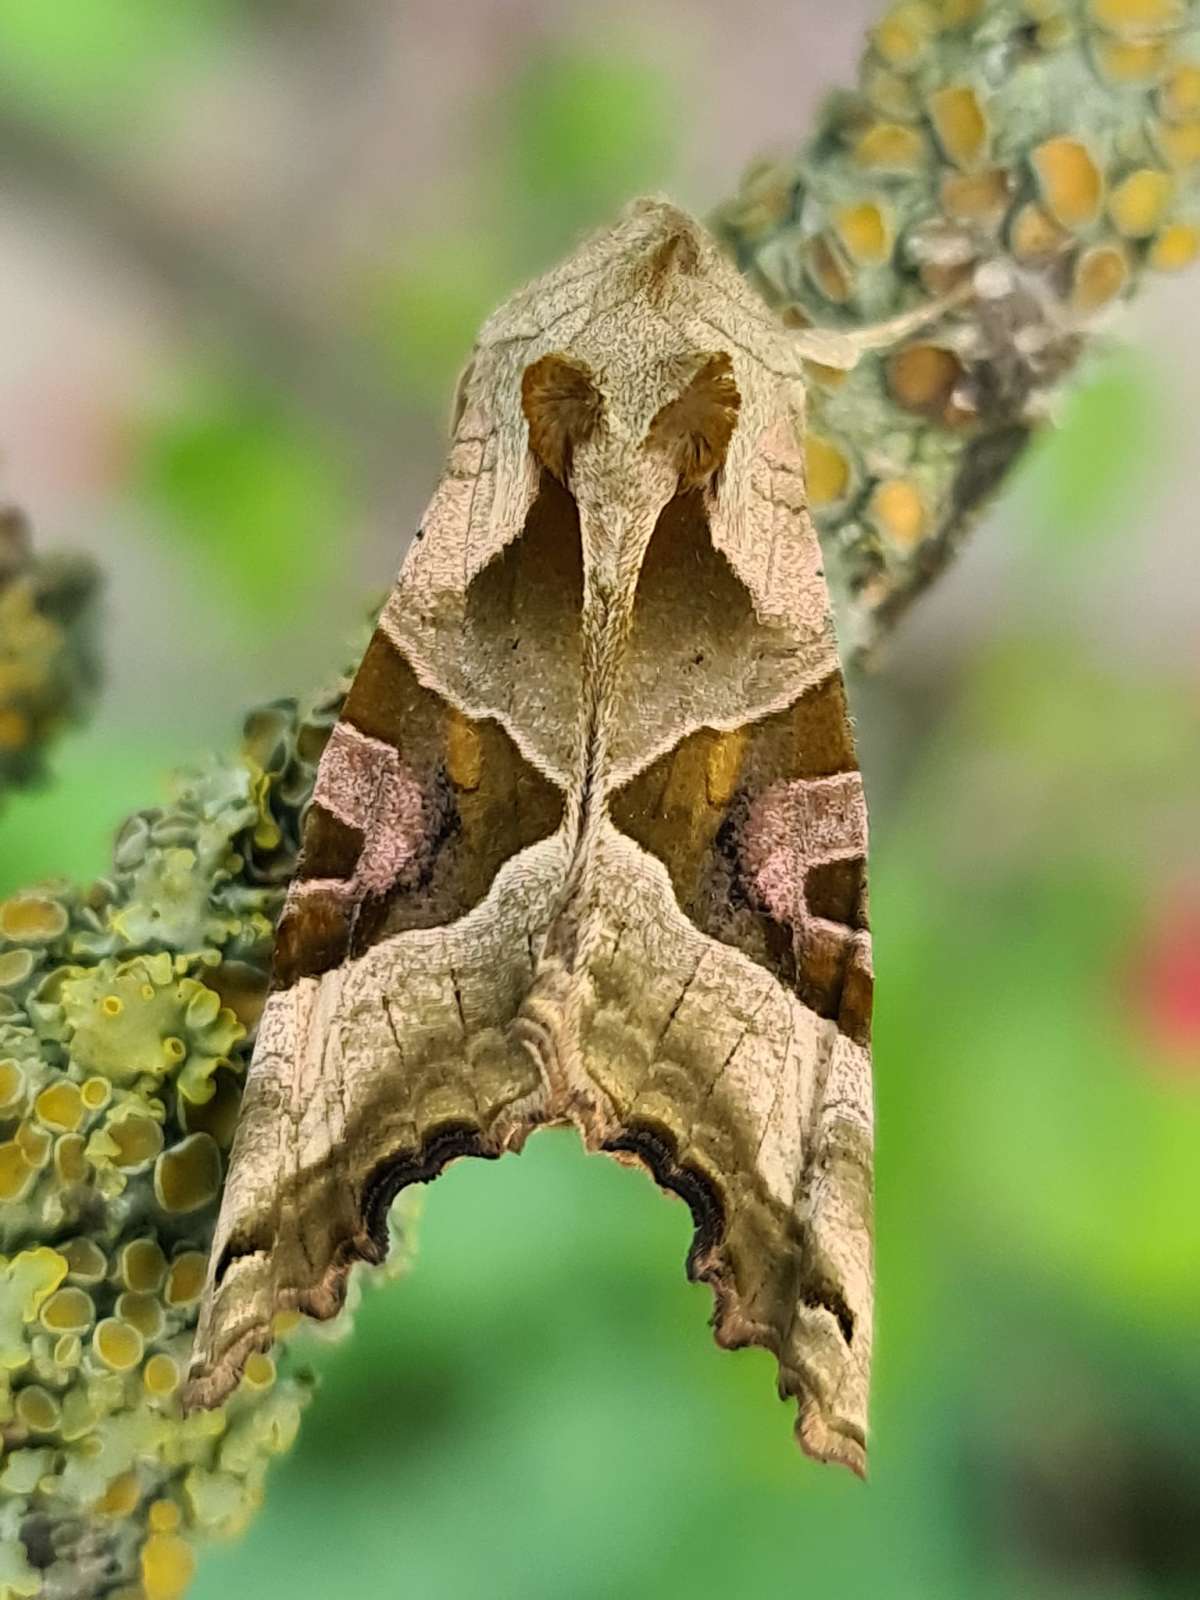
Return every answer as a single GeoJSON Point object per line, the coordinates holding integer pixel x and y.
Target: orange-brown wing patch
{"type": "Point", "coordinates": [415, 810]}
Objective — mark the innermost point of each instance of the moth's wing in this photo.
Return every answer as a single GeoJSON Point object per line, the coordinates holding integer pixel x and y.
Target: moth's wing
{"type": "Point", "coordinates": [430, 859]}
{"type": "Point", "coordinates": [733, 976]}
{"type": "Point", "coordinates": [365, 1079]}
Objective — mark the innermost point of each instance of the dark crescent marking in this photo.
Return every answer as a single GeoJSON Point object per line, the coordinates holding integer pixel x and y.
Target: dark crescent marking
{"type": "Point", "coordinates": [440, 1147]}
{"type": "Point", "coordinates": [654, 1147]}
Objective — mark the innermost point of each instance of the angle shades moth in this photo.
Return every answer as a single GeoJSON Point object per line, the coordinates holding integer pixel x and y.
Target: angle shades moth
{"type": "Point", "coordinates": [588, 844]}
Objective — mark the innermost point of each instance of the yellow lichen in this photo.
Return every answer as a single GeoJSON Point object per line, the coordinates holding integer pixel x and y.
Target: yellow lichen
{"type": "Point", "coordinates": [922, 378]}
{"type": "Point", "coordinates": [12, 1086]}
{"type": "Point", "coordinates": [1071, 183]}
{"type": "Point", "coordinates": [218, 1115]}
{"type": "Point", "coordinates": [960, 124]}
{"type": "Point", "coordinates": [1178, 142]}
{"type": "Point", "coordinates": [96, 1093]}
{"type": "Point", "coordinates": [185, 1279]}
{"type": "Point", "coordinates": [215, 1500]}
{"type": "Point", "coordinates": [16, 1175]}
{"type": "Point", "coordinates": [864, 231]}
{"type": "Point", "coordinates": [898, 510]}
{"type": "Point", "coordinates": [143, 1312]}
{"type": "Point", "coordinates": [903, 36]}
{"type": "Point", "coordinates": [976, 196]}
{"type": "Point", "coordinates": [164, 1516]}
{"type": "Point", "coordinates": [68, 1310]}
{"type": "Point", "coordinates": [167, 1565]}
{"type": "Point", "coordinates": [1100, 275]}
{"type": "Point", "coordinates": [259, 1371]}
{"type": "Point", "coordinates": [36, 1274]}
{"type": "Point", "coordinates": [141, 1019]}
{"type": "Point", "coordinates": [1130, 61]}
{"type": "Point", "coordinates": [161, 1376]}
{"type": "Point", "coordinates": [764, 198]}
{"type": "Point", "coordinates": [36, 1408]}
{"type": "Point", "coordinates": [68, 1349]}
{"type": "Point", "coordinates": [188, 1175]}
{"type": "Point", "coordinates": [15, 967]}
{"type": "Point", "coordinates": [32, 919]}
{"type": "Point", "coordinates": [142, 1265]}
{"type": "Point", "coordinates": [944, 277]}
{"type": "Point", "coordinates": [1179, 97]}
{"type": "Point", "coordinates": [35, 1144]}
{"type": "Point", "coordinates": [890, 147]}
{"type": "Point", "coordinates": [956, 13]}
{"type": "Point", "coordinates": [121, 1496]}
{"type": "Point", "coordinates": [1055, 32]}
{"type": "Point", "coordinates": [86, 1262]}
{"type": "Point", "coordinates": [890, 94]}
{"type": "Point", "coordinates": [118, 1345]}
{"type": "Point", "coordinates": [117, 1029]}
{"type": "Point", "coordinates": [827, 270]}
{"type": "Point", "coordinates": [1177, 246]}
{"type": "Point", "coordinates": [1131, 18]}
{"type": "Point", "coordinates": [827, 470]}
{"type": "Point", "coordinates": [70, 1159]}
{"type": "Point", "coordinates": [136, 1141]}
{"type": "Point", "coordinates": [1033, 235]}
{"type": "Point", "coordinates": [23, 1470]}
{"type": "Point", "coordinates": [60, 1106]}
{"type": "Point", "coordinates": [1139, 202]}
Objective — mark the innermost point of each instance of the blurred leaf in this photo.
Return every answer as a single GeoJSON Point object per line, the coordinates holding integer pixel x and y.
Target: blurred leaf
{"type": "Point", "coordinates": [578, 136]}
{"type": "Point", "coordinates": [88, 58]}
{"type": "Point", "coordinates": [248, 484]}
{"type": "Point", "coordinates": [1105, 453]}
{"type": "Point", "coordinates": [426, 312]}
{"type": "Point", "coordinates": [66, 829]}
{"type": "Point", "coordinates": [587, 132]}
{"type": "Point", "coordinates": [1004, 999]}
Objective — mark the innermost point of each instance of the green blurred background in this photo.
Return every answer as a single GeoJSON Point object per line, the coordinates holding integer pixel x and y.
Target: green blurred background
{"type": "Point", "coordinates": [243, 249]}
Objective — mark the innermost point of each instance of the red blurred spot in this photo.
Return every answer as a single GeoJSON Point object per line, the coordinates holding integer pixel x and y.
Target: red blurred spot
{"type": "Point", "coordinates": [1168, 982]}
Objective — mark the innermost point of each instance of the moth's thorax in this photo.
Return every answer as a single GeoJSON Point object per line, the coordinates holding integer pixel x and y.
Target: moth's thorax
{"type": "Point", "coordinates": [620, 489]}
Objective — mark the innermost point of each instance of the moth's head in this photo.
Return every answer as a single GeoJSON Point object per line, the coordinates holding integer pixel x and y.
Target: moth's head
{"type": "Point", "coordinates": [648, 432]}
{"type": "Point", "coordinates": [635, 403]}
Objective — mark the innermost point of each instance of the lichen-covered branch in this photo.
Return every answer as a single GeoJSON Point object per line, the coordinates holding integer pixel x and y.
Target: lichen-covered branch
{"type": "Point", "coordinates": [126, 1012]}
{"type": "Point", "coordinates": [48, 663]}
{"type": "Point", "coordinates": [1048, 152]}
{"type": "Point", "coordinates": [1045, 151]}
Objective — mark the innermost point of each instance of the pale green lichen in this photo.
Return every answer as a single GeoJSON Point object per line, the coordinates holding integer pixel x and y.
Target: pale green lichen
{"type": "Point", "coordinates": [126, 1017]}
{"type": "Point", "coordinates": [48, 667]}
{"type": "Point", "coordinates": [1044, 152]}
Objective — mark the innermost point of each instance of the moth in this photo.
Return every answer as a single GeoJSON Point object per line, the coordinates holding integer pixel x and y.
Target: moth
{"type": "Point", "coordinates": [588, 844]}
